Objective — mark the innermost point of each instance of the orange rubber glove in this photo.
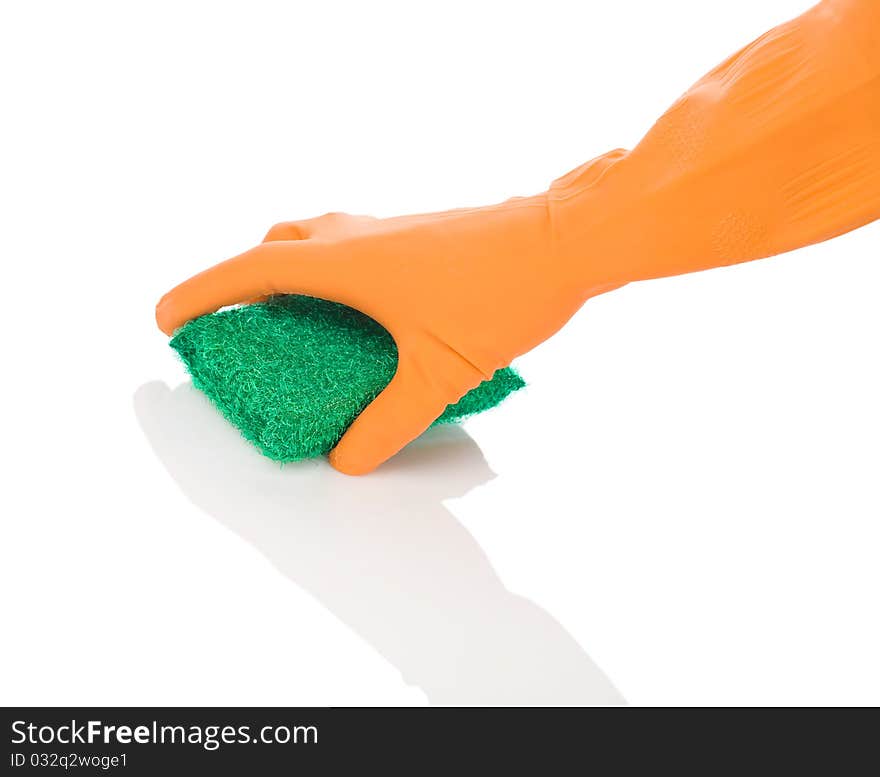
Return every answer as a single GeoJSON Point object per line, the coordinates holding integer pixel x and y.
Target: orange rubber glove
{"type": "Point", "coordinates": [776, 148]}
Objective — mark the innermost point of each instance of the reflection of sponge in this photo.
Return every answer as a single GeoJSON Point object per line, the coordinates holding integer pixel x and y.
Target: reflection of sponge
{"type": "Point", "coordinates": [292, 373]}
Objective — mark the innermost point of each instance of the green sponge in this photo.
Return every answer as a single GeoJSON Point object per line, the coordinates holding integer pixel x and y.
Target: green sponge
{"type": "Point", "coordinates": [293, 372]}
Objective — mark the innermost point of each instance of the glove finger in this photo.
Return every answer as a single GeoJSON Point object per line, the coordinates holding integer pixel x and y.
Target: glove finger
{"type": "Point", "coordinates": [287, 230]}
{"type": "Point", "coordinates": [270, 268]}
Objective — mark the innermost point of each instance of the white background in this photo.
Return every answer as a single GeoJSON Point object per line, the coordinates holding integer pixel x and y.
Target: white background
{"type": "Point", "coordinates": [682, 508]}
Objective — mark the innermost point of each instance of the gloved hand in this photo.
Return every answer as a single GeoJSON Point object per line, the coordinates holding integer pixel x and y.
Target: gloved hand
{"type": "Point", "coordinates": [776, 148]}
{"type": "Point", "coordinates": [462, 293]}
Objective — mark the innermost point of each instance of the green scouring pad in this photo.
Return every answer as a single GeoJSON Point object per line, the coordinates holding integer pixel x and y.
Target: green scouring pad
{"type": "Point", "coordinates": [293, 372]}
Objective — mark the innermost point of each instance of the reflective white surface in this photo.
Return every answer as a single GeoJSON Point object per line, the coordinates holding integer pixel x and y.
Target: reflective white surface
{"type": "Point", "coordinates": [383, 554]}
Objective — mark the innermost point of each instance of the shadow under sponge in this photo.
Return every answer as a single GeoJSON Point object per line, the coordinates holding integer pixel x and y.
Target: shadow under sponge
{"type": "Point", "coordinates": [293, 372]}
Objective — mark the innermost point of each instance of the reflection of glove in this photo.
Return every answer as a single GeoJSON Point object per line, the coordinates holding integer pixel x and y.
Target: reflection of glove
{"type": "Point", "coordinates": [776, 148]}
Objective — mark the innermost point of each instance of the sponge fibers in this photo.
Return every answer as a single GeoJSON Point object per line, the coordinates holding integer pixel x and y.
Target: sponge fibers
{"type": "Point", "coordinates": [293, 372]}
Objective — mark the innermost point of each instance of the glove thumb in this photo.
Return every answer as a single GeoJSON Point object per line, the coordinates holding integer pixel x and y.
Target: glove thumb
{"type": "Point", "coordinates": [428, 378]}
